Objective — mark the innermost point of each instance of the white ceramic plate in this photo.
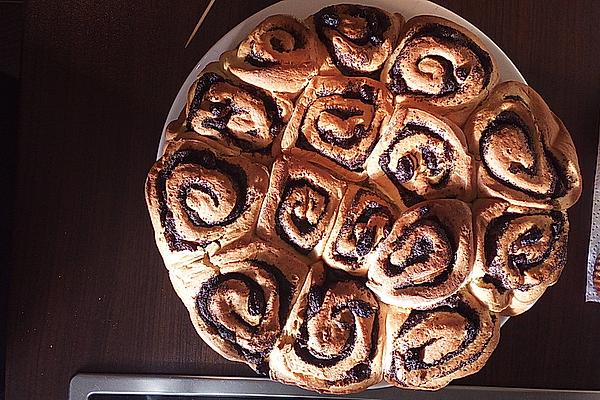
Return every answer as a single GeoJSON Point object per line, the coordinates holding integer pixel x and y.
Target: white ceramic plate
{"type": "Point", "coordinates": [304, 8]}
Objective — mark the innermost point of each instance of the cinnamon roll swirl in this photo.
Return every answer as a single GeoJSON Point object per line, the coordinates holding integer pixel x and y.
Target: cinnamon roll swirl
{"type": "Point", "coordinates": [300, 206]}
{"type": "Point", "coordinates": [427, 257]}
{"type": "Point", "coordinates": [427, 349]}
{"type": "Point", "coordinates": [240, 300]}
{"type": "Point", "coordinates": [358, 39]}
{"type": "Point", "coordinates": [421, 156]}
{"type": "Point", "coordinates": [201, 196]}
{"type": "Point", "coordinates": [336, 123]}
{"type": "Point", "coordinates": [236, 114]}
{"type": "Point", "coordinates": [520, 252]}
{"type": "Point", "coordinates": [363, 221]}
{"type": "Point", "coordinates": [526, 154]}
{"type": "Point", "coordinates": [280, 55]}
{"type": "Point", "coordinates": [331, 342]}
{"type": "Point", "coordinates": [440, 66]}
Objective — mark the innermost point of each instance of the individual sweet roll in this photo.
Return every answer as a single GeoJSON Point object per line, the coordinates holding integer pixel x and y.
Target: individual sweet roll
{"type": "Point", "coordinates": [332, 340]}
{"type": "Point", "coordinates": [426, 349]}
{"type": "Point", "coordinates": [363, 221]}
{"type": "Point", "coordinates": [280, 55]}
{"type": "Point", "coordinates": [526, 154]}
{"type": "Point", "coordinates": [300, 207]}
{"type": "Point", "coordinates": [520, 251]}
{"type": "Point", "coordinates": [240, 300]}
{"type": "Point", "coordinates": [201, 196]}
{"type": "Point", "coordinates": [358, 39]}
{"type": "Point", "coordinates": [421, 156]}
{"type": "Point", "coordinates": [236, 114]}
{"type": "Point", "coordinates": [440, 66]}
{"type": "Point", "coordinates": [427, 257]}
{"type": "Point", "coordinates": [336, 123]}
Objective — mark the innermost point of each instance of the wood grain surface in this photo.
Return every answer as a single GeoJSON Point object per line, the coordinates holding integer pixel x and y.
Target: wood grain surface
{"type": "Point", "coordinates": [88, 292]}
{"type": "Point", "coordinates": [11, 37]}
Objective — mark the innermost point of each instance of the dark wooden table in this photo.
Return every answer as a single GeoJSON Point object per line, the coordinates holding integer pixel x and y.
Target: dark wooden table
{"type": "Point", "coordinates": [88, 292]}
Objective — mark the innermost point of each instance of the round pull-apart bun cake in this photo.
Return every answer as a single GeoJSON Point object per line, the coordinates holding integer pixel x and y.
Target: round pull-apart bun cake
{"type": "Point", "coordinates": [355, 198]}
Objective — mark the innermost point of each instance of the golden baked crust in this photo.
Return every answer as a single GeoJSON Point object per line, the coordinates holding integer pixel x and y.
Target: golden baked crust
{"type": "Point", "coordinates": [240, 299]}
{"type": "Point", "coordinates": [280, 55]}
{"type": "Point", "coordinates": [357, 39]}
{"type": "Point", "coordinates": [331, 342]}
{"type": "Point", "coordinates": [426, 258]}
{"type": "Point", "coordinates": [525, 153]}
{"type": "Point", "coordinates": [520, 251]}
{"type": "Point", "coordinates": [421, 156]}
{"type": "Point", "coordinates": [202, 196]}
{"type": "Point", "coordinates": [300, 207]}
{"type": "Point", "coordinates": [427, 349]}
{"type": "Point", "coordinates": [336, 123]}
{"type": "Point", "coordinates": [364, 220]}
{"type": "Point", "coordinates": [247, 119]}
{"type": "Point", "coordinates": [440, 66]}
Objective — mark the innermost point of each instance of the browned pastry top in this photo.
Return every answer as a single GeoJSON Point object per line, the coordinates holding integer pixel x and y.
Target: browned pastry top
{"type": "Point", "coordinates": [363, 221]}
{"type": "Point", "coordinates": [240, 297]}
{"type": "Point", "coordinates": [427, 349]}
{"type": "Point", "coordinates": [237, 114]}
{"type": "Point", "coordinates": [520, 252]}
{"type": "Point", "coordinates": [337, 121]}
{"type": "Point", "coordinates": [421, 156]}
{"type": "Point", "coordinates": [527, 155]}
{"type": "Point", "coordinates": [331, 341]}
{"type": "Point", "coordinates": [300, 206]}
{"type": "Point", "coordinates": [440, 65]}
{"type": "Point", "coordinates": [279, 55]}
{"type": "Point", "coordinates": [358, 39]}
{"type": "Point", "coordinates": [427, 256]}
{"type": "Point", "coordinates": [201, 196]}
